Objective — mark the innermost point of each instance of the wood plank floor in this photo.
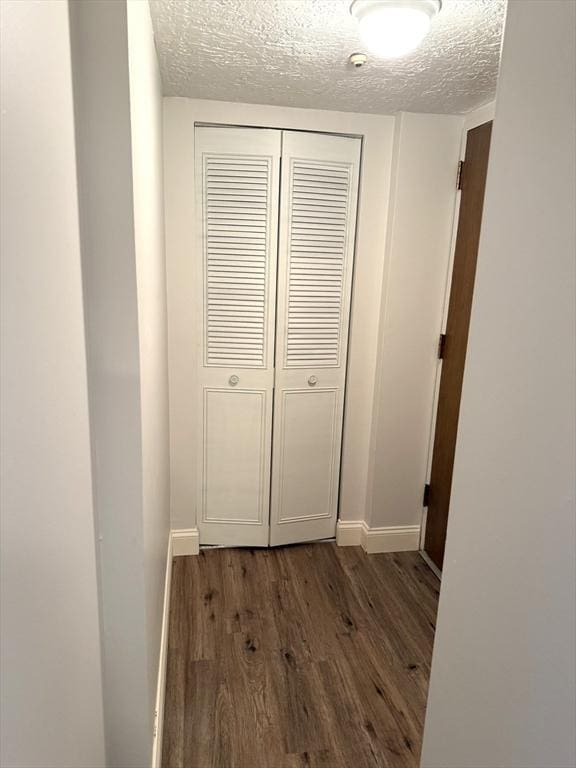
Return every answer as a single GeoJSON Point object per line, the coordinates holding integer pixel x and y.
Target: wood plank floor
{"type": "Point", "coordinates": [310, 655]}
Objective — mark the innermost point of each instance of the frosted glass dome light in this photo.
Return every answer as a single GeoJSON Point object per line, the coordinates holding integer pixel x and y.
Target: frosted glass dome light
{"type": "Point", "coordinates": [392, 28]}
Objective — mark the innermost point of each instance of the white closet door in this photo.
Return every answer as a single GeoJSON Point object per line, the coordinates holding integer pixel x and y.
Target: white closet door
{"type": "Point", "coordinates": [237, 181]}
{"type": "Point", "coordinates": [319, 190]}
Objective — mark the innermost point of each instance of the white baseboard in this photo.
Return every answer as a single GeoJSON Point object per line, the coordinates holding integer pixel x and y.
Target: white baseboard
{"type": "Point", "coordinates": [180, 542]}
{"type": "Point", "coordinates": [161, 685]}
{"type": "Point", "coordinates": [349, 533]}
{"type": "Point", "coordinates": [185, 541]}
{"type": "Point", "coordinates": [395, 538]}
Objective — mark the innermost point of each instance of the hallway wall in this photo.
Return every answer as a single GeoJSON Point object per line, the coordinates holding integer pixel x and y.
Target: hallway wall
{"type": "Point", "coordinates": [420, 225]}
{"type": "Point", "coordinates": [148, 191]}
{"type": "Point", "coordinates": [503, 681]}
{"type": "Point", "coordinates": [51, 699]}
{"type": "Point", "coordinates": [118, 131]}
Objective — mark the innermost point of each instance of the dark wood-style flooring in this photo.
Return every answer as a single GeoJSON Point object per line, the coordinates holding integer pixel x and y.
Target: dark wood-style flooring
{"type": "Point", "coordinates": [310, 655]}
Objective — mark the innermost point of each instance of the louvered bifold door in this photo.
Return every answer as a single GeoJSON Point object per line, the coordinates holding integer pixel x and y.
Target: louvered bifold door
{"type": "Point", "coordinates": [318, 194]}
{"type": "Point", "coordinates": [237, 181]}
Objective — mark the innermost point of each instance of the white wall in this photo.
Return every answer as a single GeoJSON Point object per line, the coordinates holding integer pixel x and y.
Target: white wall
{"type": "Point", "coordinates": [502, 691]}
{"type": "Point", "coordinates": [180, 115]}
{"type": "Point", "coordinates": [148, 192]}
{"type": "Point", "coordinates": [119, 144]}
{"type": "Point", "coordinates": [426, 153]}
{"type": "Point", "coordinates": [51, 701]}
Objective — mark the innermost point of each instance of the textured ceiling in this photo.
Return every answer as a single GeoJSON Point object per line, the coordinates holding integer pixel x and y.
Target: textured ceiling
{"type": "Point", "coordinates": [294, 53]}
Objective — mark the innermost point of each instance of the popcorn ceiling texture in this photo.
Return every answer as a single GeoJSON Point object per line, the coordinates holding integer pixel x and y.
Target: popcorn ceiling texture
{"type": "Point", "coordinates": [294, 53]}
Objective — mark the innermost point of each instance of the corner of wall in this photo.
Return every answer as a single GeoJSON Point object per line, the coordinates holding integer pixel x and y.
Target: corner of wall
{"type": "Point", "coordinates": [418, 243]}
{"type": "Point", "coordinates": [377, 392]}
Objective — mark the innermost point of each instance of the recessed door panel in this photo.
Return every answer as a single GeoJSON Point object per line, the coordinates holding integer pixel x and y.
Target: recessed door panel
{"type": "Point", "coordinates": [236, 461]}
{"type": "Point", "coordinates": [307, 452]}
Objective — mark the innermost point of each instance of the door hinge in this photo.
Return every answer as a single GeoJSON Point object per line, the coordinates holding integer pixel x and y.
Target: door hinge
{"type": "Point", "coordinates": [426, 497]}
{"type": "Point", "coordinates": [459, 176]}
{"type": "Point", "coordinates": [441, 346]}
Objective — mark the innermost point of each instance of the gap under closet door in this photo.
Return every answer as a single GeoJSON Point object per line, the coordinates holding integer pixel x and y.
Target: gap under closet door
{"type": "Point", "coordinates": [237, 182]}
{"type": "Point", "coordinates": [318, 202]}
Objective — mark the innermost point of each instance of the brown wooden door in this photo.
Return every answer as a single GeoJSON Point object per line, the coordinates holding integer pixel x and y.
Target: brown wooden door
{"type": "Point", "coordinates": [473, 182]}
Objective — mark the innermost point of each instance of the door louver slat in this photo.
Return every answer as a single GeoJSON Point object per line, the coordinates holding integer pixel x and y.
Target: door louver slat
{"type": "Point", "coordinates": [237, 220]}
{"type": "Point", "coordinates": [319, 203]}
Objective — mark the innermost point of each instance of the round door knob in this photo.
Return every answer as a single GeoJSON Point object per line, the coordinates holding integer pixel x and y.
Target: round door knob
{"type": "Point", "coordinates": [233, 380]}
{"type": "Point", "coordinates": [312, 381]}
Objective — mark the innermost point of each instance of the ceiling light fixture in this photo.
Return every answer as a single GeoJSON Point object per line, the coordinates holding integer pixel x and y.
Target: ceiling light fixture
{"type": "Point", "coordinates": [392, 28]}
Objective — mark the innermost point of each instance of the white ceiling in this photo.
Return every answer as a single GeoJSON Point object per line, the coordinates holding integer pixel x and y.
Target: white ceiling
{"type": "Point", "coordinates": [294, 53]}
